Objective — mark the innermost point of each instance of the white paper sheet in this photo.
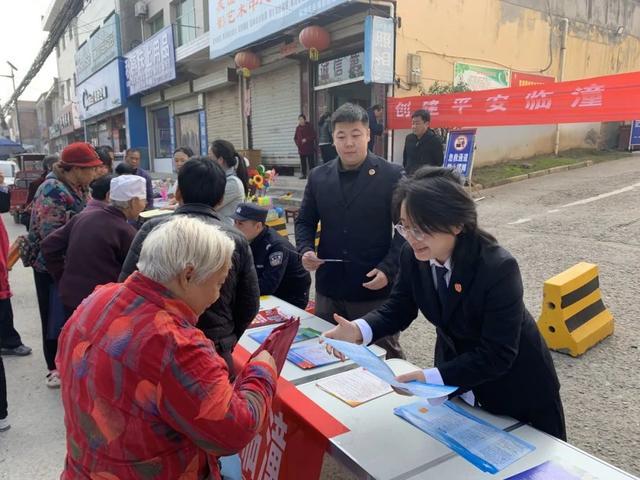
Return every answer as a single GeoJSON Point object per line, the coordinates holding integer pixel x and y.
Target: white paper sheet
{"type": "Point", "coordinates": [355, 387]}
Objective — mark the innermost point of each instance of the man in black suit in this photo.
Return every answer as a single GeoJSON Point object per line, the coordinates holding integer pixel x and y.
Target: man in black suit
{"type": "Point", "coordinates": [423, 146]}
{"type": "Point", "coordinates": [351, 197]}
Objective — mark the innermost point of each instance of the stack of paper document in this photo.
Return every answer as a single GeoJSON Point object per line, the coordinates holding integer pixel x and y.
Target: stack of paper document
{"type": "Point", "coordinates": [368, 360]}
{"type": "Point", "coordinates": [310, 355]}
{"type": "Point", "coordinates": [480, 443]}
{"type": "Point", "coordinates": [268, 317]}
{"type": "Point", "coordinates": [355, 387]}
{"type": "Point", "coordinates": [304, 333]}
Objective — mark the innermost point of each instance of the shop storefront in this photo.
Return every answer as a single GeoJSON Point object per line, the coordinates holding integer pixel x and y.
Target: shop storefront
{"type": "Point", "coordinates": [69, 123]}
{"type": "Point", "coordinates": [148, 66]}
{"type": "Point", "coordinates": [224, 104]}
{"type": "Point", "coordinates": [101, 102]}
{"type": "Point", "coordinates": [275, 107]}
{"type": "Point", "coordinates": [108, 115]}
{"type": "Point", "coordinates": [288, 82]}
{"type": "Point", "coordinates": [177, 118]}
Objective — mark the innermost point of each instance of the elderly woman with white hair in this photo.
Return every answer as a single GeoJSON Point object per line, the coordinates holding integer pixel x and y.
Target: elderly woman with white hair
{"type": "Point", "coordinates": [144, 392]}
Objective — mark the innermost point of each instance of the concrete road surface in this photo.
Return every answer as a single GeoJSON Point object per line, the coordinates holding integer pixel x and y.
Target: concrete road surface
{"type": "Point", "coordinates": [548, 223]}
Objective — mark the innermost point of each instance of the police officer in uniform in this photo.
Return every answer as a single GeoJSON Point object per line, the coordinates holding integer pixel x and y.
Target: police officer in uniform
{"type": "Point", "coordinates": [277, 262]}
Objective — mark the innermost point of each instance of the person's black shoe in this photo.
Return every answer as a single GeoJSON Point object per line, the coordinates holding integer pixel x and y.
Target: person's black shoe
{"type": "Point", "coordinates": [19, 351]}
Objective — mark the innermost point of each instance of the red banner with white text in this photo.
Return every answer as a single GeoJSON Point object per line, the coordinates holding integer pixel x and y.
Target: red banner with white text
{"type": "Point", "coordinates": [293, 445]}
{"type": "Point", "coordinates": [598, 99]}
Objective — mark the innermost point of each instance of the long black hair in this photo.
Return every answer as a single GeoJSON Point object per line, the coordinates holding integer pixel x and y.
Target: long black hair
{"type": "Point", "coordinates": [436, 202]}
{"type": "Point", "coordinates": [225, 150]}
{"type": "Point", "coordinates": [103, 152]}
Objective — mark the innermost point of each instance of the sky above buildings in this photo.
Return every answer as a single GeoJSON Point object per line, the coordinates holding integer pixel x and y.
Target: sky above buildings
{"type": "Point", "coordinates": [21, 37]}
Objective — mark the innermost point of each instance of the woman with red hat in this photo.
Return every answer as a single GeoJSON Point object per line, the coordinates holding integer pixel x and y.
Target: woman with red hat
{"type": "Point", "coordinates": [61, 195]}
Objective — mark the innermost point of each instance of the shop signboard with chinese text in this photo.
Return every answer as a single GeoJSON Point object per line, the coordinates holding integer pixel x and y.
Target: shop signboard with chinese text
{"type": "Point", "coordinates": [102, 47]}
{"type": "Point", "coordinates": [634, 137]}
{"type": "Point", "coordinates": [341, 70]}
{"type": "Point", "coordinates": [608, 98]}
{"type": "Point", "coordinates": [151, 63]}
{"type": "Point", "coordinates": [460, 150]}
{"type": "Point", "coordinates": [103, 91]}
{"type": "Point", "coordinates": [69, 119]}
{"type": "Point", "coordinates": [379, 48]}
{"type": "Point", "coordinates": [235, 24]}
{"type": "Point", "coordinates": [479, 77]}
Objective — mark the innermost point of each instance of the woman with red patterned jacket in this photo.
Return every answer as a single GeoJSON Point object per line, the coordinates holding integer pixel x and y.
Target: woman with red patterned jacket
{"type": "Point", "coordinates": [144, 392]}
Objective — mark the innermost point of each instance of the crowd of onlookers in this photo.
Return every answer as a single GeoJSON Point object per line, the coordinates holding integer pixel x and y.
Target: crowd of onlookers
{"type": "Point", "coordinates": [139, 321]}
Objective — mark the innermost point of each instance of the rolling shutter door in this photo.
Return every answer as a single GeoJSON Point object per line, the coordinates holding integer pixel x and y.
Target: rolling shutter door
{"type": "Point", "coordinates": [223, 116]}
{"type": "Point", "coordinates": [275, 106]}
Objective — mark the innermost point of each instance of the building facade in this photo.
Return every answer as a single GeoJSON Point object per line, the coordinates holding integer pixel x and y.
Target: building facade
{"type": "Point", "coordinates": [475, 39]}
{"type": "Point", "coordinates": [182, 86]}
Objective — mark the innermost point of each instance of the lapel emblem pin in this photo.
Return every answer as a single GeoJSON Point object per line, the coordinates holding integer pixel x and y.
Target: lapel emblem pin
{"type": "Point", "coordinates": [372, 172]}
{"type": "Point", "coordinates": [458, 288]}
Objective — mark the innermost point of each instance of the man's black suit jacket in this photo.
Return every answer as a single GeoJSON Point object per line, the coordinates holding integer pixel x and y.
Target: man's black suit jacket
{"type": "Point", "coordinates": [358, 229]}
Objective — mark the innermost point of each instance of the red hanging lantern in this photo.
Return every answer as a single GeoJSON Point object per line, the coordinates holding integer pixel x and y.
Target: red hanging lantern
{"type": "Point", "coordinates": [315, 39]}
{"type": "Point", "coordinates": [247, 61]}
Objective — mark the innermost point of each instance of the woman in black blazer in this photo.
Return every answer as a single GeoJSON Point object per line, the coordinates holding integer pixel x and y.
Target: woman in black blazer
{"type": "Point", "coordinates": [470, 289]}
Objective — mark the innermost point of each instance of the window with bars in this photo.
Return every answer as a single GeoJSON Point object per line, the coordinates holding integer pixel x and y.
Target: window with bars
{"type": "Point", "coordinates": [185, 21]}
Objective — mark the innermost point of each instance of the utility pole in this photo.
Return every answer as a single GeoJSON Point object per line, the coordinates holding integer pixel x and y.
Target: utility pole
{"type": "Point", "coordinates": [13, 82]}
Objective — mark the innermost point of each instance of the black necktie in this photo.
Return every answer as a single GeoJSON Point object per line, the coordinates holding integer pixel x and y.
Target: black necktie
{"type": "Point", "coordinates": [441, 287]}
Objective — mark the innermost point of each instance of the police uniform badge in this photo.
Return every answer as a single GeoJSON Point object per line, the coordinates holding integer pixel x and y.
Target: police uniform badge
{"type": "Point", "coordinates": [275, 259]}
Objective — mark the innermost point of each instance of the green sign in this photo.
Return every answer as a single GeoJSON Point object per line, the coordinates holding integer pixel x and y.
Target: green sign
{"type": "Point", "coordinates": [479, 77]}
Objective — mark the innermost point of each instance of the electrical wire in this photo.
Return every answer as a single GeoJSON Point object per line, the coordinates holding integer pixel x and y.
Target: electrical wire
{"type": "Point", "coordinates": [70, 10]}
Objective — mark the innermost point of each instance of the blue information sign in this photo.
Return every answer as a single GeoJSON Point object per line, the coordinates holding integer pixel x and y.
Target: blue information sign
{"type": "Point", "coordinates": [634, 138]}
{"type": "Point", "coordinates": [204, 147]}
{"type": "Point", "coordinates": [379, 49]}
{"type": "Point", "coordinates": [172, 133]}
{"type": "Point", "coordinates": [460, 149]}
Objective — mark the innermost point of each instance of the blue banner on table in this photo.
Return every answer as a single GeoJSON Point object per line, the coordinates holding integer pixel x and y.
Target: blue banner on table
{"type": "Point", "coordinates": [151, 63]}
{"type": "Point", "coordinates": [379, 47]}
{"type": "Point", "coordinates": [236, 24]}
{"type": "Point", "coordinates": [634, 138]}
{"type": "Point", "coordinates": [460, 149]}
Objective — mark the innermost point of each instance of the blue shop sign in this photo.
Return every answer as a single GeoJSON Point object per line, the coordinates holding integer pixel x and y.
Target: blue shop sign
{"type": "Point", "coordinates": [236, 24]}
{"type": "Point", "coordinates": [460, 150]}
{"type": "Point", "coordinates": [103, 91]}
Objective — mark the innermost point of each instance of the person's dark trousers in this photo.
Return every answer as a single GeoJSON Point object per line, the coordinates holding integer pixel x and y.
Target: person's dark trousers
{"type": "Point", "coordinates": [326, 307]}
{"type": "Point", "coordinates": [548, 419]}
{"type": "Point", "coordinates": [9, 337]}
{"type": "Point", "coordinates": [306, 163]}
{"type": "Point", "coordinates": [68, 311]}
{"type": "Point", "coordinates": [328, 152]}
{"type": "Point", "coordinates": [3, 391]}
{"type": "Point", "coordinates": [43, 282]}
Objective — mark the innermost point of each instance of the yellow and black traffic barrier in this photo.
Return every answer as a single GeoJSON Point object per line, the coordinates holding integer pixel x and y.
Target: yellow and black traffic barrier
{"type": "Point", "coordinates": [316, 242]}
{"type": "Point", "coordinates": [574, 317]}
{"type": "Point", "coordinates": [279, 225]}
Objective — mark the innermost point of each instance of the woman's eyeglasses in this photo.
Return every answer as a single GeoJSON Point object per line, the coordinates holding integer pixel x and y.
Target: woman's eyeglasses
{"type": "Point", "coordinates": [418, 235]}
